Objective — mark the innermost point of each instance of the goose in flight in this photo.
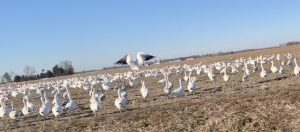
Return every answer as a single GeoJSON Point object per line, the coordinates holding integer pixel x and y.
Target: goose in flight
{"type": "Point", "coordinates": [140, 59]}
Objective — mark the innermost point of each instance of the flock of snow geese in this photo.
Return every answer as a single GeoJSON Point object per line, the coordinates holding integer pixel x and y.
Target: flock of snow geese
{"type": "Point", "coordinates": [96, 84]}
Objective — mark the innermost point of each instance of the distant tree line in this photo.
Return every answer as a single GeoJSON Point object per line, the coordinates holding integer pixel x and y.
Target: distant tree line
{"type": "Point", "coordinates": [113, 67]}
{"type": "Point", "coordinates": [290, 43]}
{"type": "Point", "coordinates": [62, 69]}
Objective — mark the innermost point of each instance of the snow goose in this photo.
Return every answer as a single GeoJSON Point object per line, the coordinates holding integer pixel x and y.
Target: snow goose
{"type": "Point", "coordinates": [95, 104]}
{"type": "Point", "coordinates": [29, 103]}
{"type": "Point", "coordinates": [141, 58]}
{"type": "Point", "coordinates": [234, 70]}
{"type": "Point", "coordinates": [144, 90]}
{"type": "Point", "coordinates": [4, 110]}
{"type": "Point", "coordinates": [71, 105]}
{"type": "Point", "coordinates": [263, 73]}
{"type": "Point", "coordinates": [274, 69]}
{"type": "Point", "coordinates": [245, 77]}
{"type": "Point", "coordinates": [246, 69]}
{"type": "Point", "coordinates": [106, 85]}
{"type": "Point", "coordinates": [25, 109]}
{"type": "Point", "coordinates": [186, 78]}
{"type": "Point", "coordinates": [14, 114]}
{"type": "Point", "coordinates": [297, 68]}
{"type": "Point", "coordinates": [132, 82]}
{"type": "Point", "coordinates": [191, 85]}
{"type": "Point", "coordinates": [179, 91]}
{"type": "Point", "coordinates": [225, 76]}
{"type": "Point", "coordinates": [15, 93]}
{"type": "Point", "coordinates": [57, 109]}
{"type": "Point", "coordinates": [120, 102]}
{"type": "Point", "coordinates": [46, 105]}
{"type": "Point", "coordinates": [169, 86]}
{"type": "Point", "coordinates": [210, 74]}
{"type": "Point", "coordinates": [280, 71]}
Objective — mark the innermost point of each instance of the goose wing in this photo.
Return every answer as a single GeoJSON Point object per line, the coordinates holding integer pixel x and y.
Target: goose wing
{"type": "Point", "coordinates": [122, 61]}
{"type": "Point", "coordinates": [141, 57]}
{"type": "Point", "coordinates": [146, 57]}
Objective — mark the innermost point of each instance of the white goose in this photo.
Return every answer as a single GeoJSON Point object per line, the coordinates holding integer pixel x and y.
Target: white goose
{"type": "Point", "coordinates": [46, 106]}
{"type": "Point", "coordinates": [14, 114]}
{"type": "Point", "coordinates": [245, 77]}
{"type": "Point", "coordinates": [210, 74]}
{"type": "Point", "coordinates": [186, 78]}
{"type": "Point", "coordinates": [263, 73]}
{"type": "Point", "coordinates": [86, 86]}
{"type": "Point", "coordinates": [169, 86]}
{"type": "Point", "coordinates": [59, 93]}
{"type": "Point", "coordinates": [71, 105]}
{"type": "Point", "coordinates": [233, 70]}
{"type": "Point", "coordinates": [120, 102]}
{"type": "Point", "coordinates": [31, 107]}
{"type": "Point", "coordinates": [297, 68]}
{"type": "Point", "coordinates": [57, 109]}
{"type": "Point", "coordinates": [101, 97]}
{"type": "Point", "coordinates": [141, 58]}
{"type": "Point", "coordinates": [15, 93]}
{"type": "Point", "coordinates": [191, 85]}
{"type": "Point", "coordinates": [280, 71]}
{"type": "Point", "coordinates": [144, 90]}
{"type": "Point", "coordinates": [246, 69]}
{"type": "Point", "coordinates": [106, 85]}
{"type": "Point", "coordinates": [198, 70]}
{"type": "Point", "coordinates": [95, 104]}
{"type": "Point", "coordinates": [4, 110]}
{"type": "Point", "coordinates": [25, 109]}
{"type": "Point", "coordinates": [179, 91]}
{"type": "Point", "coordinates": [289, 57]}
{"type": "Point", "coordinates": [124, 90]}
{"type": "Point", "coordinates": [274, 69]}
{"type": "Point", "coordinates": [225, 77]}
{"type": "Point", "coordinates": [132, 82]}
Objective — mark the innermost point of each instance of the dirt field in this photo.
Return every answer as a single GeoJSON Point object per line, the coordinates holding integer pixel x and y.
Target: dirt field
{"type": "Point", "coordinates": [271, 104]}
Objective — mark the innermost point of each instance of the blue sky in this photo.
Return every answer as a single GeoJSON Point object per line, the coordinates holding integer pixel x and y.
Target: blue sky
{"type": "Point", "coordinates": [93, 34]}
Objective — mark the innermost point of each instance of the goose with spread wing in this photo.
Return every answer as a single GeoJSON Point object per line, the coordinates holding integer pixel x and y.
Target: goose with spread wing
{"type": "Point", "coordinates": [140, 60]}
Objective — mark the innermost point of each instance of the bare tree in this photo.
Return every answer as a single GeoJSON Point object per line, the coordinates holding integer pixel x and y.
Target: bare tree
{"type": "Point", "coordinates": [66, 64]}
{"type": "Point", "coordinates": [28, 70]}
{"type": "Point", "coordinates": [12, 74]}
{"type": "Point", "coordinates": [6, 77]}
